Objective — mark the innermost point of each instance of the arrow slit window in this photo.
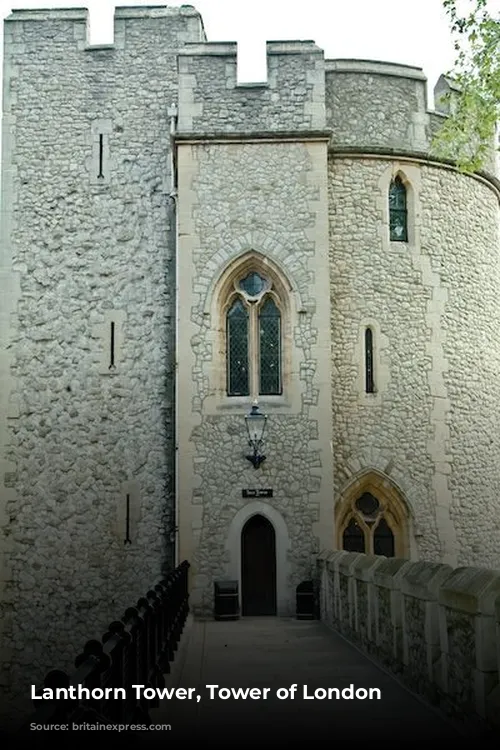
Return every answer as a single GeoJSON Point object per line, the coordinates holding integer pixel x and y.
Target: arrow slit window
{"type": "Point", "coordinates": [398, 211]}
{"type": "Point", "coordinates": [254, 338]}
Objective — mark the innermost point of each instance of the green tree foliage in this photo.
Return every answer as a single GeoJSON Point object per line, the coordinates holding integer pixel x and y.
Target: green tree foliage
{"type": "Point", "coordinates": [467, 135]}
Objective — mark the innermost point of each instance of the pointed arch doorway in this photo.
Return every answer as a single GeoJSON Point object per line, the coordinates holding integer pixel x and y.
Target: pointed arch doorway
{"type": "Point", "coordinates": [258, 567]}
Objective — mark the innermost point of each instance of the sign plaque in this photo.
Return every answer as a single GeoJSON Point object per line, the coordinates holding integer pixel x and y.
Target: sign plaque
{"type": "Point", "coordinates": [257, 493]}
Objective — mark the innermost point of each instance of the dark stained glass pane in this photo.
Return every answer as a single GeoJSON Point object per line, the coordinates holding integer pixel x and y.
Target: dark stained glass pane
{"type": "Point", "coordinates": [367, 504]}
{"type": "Point", "coordinates": [383, 540]}
{"type": "Point", "coordinates": [398, 215]}
{"type": "Point", "coordinates": [237, 351]}
{"type": "Point", "coordinates": [369, 382]}
{"type": "Point", "coordinates": [353, 539]}
{"type": "Point", "coordinates": [270, 349]}
{"type": "Point", "coordinates": [253, 284]}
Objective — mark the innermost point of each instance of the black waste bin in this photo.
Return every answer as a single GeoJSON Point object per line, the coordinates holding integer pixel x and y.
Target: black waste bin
{"type": "Point", "coordinates": [226, 600]}
{"type": "Point", "coordinates": [305, 604]}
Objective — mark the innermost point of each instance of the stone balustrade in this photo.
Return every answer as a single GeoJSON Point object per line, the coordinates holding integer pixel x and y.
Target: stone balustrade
{"type": "Point", "coordinates": [435, 627]}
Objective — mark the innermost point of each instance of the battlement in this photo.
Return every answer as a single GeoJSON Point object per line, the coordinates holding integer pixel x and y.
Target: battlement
{"type": "Point", "coordinates": [361, 105]}
{"type": "Point", "coordinates": [211, 99]}
{"type": "Point", "coordinates": [73, 24]}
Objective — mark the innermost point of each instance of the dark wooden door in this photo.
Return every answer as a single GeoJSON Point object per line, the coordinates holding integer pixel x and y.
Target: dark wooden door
{"type": "Point", "coordinates": [258, 567]}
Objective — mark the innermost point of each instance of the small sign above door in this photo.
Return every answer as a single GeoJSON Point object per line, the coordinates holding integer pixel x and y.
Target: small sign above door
{"type": "Point", "coordinates": [257, 493]}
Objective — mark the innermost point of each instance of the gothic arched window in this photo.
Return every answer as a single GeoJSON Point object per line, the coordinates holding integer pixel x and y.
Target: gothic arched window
{"type": "Point", "coordinates": [253, 338]}
{"type": "Point", "coordinates": [369, 375]}
{"type": "Point", "coordinates": [398, 211]}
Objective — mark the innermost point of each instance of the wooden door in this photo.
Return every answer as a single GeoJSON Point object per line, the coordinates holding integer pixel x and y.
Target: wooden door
{"type": "Point", "coordinates": [258, 567]}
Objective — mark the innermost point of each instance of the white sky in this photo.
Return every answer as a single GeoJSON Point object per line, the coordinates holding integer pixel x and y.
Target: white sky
{"type": "Point", "coordinates": [413, 32]}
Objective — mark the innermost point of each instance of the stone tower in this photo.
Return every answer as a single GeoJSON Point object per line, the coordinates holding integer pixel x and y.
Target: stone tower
{"type": "Point", "coordinates": [176, 245]}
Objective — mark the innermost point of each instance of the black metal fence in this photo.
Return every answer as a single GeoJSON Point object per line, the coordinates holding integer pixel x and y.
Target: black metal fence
{"type": "Point", "coordinates": [136, 650]}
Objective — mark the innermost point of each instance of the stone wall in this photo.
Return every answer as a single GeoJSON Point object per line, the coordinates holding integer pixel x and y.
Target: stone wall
{"type": "Point", "coordinates": [432, 303]}
{"type": "Point", "coordinates": [87, 243]}
{"type": "Point", "coordinates": [292, 99]}
{"type": "Point", "coordinates": [244, 203]}
{"type": "Point", "coordinates": [435, 627]}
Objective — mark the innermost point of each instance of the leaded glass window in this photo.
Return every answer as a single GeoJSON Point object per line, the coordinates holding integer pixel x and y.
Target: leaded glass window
{"type": "Point", "coordinates": [253, 284]}
{"type": "Point", "coordinates": [237, 350]}
{"type": "Point", "coordinates": [270, 345]}
{"type": "Point", "coordinates": [369, 381]}
{"type": "Point", "coordinates": [254, 339]}
{"type": "Point", "coordinates": [398, 214]}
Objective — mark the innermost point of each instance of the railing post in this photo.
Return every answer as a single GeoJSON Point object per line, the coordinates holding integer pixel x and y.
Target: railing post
{"type": "Point", "coordinates": [136, 650]}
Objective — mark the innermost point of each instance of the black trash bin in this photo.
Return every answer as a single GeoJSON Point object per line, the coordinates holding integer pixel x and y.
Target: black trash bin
{"type": "Point", "coordinates": [226, 600]}
{"type": "Point", "coordinates": [305, 602]}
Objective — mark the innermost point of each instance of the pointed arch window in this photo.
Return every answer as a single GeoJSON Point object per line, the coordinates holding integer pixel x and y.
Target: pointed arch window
{"type": "Point", "coordinates": [398, 211]}
{"type": "Point", "coordinates": [369, 375]}
{"type": "Point", "coordinates": [254, 338]}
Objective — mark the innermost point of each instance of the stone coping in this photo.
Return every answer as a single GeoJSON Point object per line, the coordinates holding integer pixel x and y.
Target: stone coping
{"type": "Point", "coordinates": [378, 67]}
{"type": "Point", "coordinates": [423, 580]}
{"type": "Point", "coordinates": [389, 573]}
{"type": "Point", "coordinates": [364, 567]}
{"type": "Point", "coordinates": [346, 563]}
{"type": "Point", "coordinates": [471, 590]}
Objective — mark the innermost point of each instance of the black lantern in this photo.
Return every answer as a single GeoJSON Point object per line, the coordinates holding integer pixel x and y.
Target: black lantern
{"type": "Point", "coordinates": [256, 425]}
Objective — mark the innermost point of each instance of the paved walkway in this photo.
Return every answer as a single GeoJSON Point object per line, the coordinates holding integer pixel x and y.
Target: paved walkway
{"type": "Point", "coordinates": [276, 653]}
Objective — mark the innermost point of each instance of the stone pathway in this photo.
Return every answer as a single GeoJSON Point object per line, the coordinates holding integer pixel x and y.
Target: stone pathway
{"type": "Point", "coordinates": [276, 653]}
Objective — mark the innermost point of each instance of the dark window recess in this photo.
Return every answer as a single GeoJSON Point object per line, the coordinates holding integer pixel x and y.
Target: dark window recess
{"type": "Point", "coordinates": [112, 348]}
{"type": "Point", "coordinates": [270, 349]}
{"type": "Point", "coordinates": [398, 213]}
{"type": "Point", "coordinates": [367, 504]}
{"type": "Point", "coordinates": [369, 380]}
{"type": "Point", "coordinates": [127, 523]}
{"type": "Point", "coordinates": [237, 350]}
{"type": "Point", "coordinates": [353, 537]}
{"type": "Point", "coordinates": [383, 539]}
{"type": "Point", "coordinates": [100, 176]}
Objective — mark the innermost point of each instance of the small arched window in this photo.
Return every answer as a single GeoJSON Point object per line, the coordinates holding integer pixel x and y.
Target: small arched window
{"type": "Point", "coordinates": [254, 338]}
{"type": "Point", "coordinates": [369, 375]}
{"type": "Point", "coordinates": [398, 211]}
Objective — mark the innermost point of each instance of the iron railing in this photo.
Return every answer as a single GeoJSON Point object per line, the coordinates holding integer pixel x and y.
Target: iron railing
{"type": "Point", "coordinates": [136, 650]}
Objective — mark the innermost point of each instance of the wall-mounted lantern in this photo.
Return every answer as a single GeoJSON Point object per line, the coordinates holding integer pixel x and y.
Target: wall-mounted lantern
{"type": "Point", "coordinates": [256, 425]}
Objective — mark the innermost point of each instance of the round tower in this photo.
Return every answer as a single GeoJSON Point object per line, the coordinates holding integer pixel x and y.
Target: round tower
{"type": "Point", "coordinates": [415, 275]}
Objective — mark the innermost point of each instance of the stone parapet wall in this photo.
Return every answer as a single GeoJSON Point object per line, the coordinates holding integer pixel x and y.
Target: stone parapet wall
{"type": "Point", "coordinates": [212, 101]}
{"type": "Point", "coordinates": [435, 627]}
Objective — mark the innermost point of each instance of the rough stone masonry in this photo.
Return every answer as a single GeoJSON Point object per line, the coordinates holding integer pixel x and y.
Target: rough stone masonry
{"type": "Point", "coordinates": [141, 183]}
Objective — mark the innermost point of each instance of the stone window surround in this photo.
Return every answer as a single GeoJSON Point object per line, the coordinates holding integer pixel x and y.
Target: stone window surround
{"type": "Point", "coordinates": [409, 175]}
{"type": "Point", "coordinates": [394, 510]}
{"type": "Point", "coordinates": [290, 306]}
{"type": "Point", "coordinates": [380, 368]}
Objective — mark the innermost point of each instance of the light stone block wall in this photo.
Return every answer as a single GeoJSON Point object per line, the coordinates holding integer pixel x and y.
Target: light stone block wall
{"type": "Point", "coordinates": [431, 426]}
{"type": "Point", "coordinates": [77, 254]}
{"type": "Point", "coordinates": [435, 627]}
{"type": "Point", "coordinates": [270, 199]}
{"type": "Point", "coordinates": [212, 101]}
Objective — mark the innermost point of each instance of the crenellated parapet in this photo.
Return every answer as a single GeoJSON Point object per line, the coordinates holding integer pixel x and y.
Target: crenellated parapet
{"type": "Point", "coordinates": [212, 101]}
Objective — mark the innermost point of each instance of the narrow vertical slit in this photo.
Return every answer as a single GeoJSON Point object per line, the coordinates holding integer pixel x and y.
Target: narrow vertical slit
{"type": "Point", "coordinates": [369, 382]}
{"type": "Point", "coordinates": [101, 155]}
{"type": "Point", "coordinates": [112, 348]}
{"type": "Point", "coordinates": [127, 528]}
